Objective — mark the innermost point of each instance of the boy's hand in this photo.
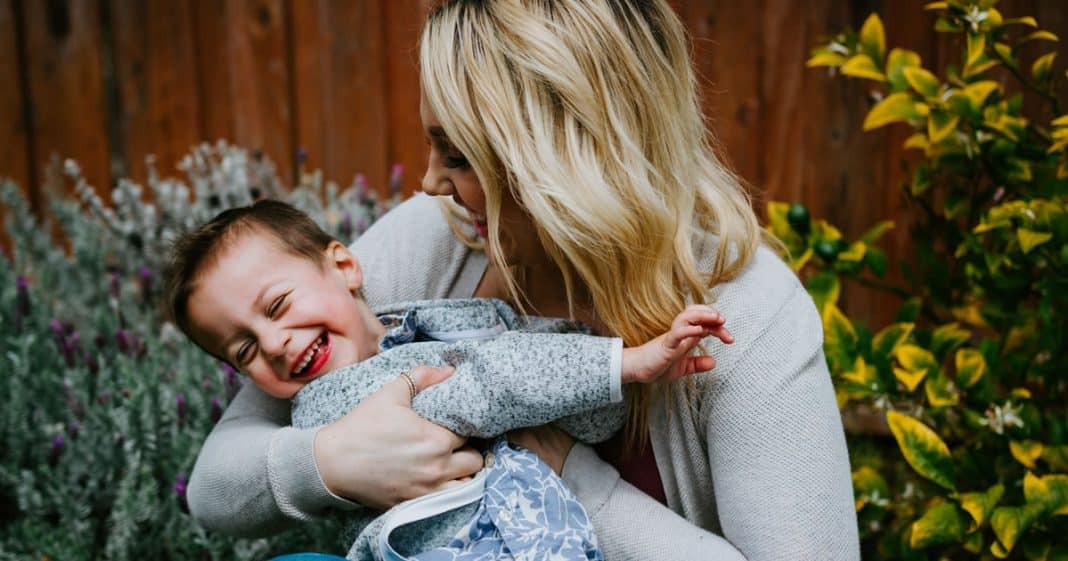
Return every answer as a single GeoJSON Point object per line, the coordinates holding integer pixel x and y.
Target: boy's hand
{"type": "Point", "coordinates": [665, 358]}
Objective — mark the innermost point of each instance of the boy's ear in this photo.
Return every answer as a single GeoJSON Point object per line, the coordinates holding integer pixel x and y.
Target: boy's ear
{"type": "Point", "coordinates": [340, 258]}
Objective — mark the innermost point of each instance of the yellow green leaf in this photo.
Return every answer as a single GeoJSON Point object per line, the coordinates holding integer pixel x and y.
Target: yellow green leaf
{"type": "Point", "coordinates": [862, 374]}
{"type": "Point", "coordinates": [941, 124]}
{"type": "Point", "coordinates": [824, 289]}
{"type": "Point", "coordinates": [913, 357]}
{"type": "Point", "coordinates": [897, 63]}
{"type": "Point", "coordinates": [1026, 451]}
{"type": "Point", "coordinates": [1042, 66]}
{"type": "Point", "coordinates": [862, 66]}
{"type": "Point", "coordinates": [854, 253]}
{"type": "Point", "coordinates": [973, 543]}
{"type": "Point", "coordinates": [909, 378]}
{"type": "Point", "coordinates": [891, 336]}
{"type": "Point", "coordinates": [1005, 53]}
{"type": "Point", "coordinates": [825, 58]}
{"type": "Point", "coordinates": [1050, 491]}
{"type": "Point", "coordinates": [873, 37]}
{"type": "Point", "coordinates": [1030, 239]}
{"type": "Point", "coordinates": [980, 505]}
{"type": "Point", "coordinates": [1025, 20]}
{"type": "Point", "coordinates": [839, 338]}
{"type": "Point", "coordinates": [946, 338]}
{"type": "Point", "coordinates": [971, 366]}
{"type": "Point", "coordinates": [925, 83]}
{"type": "Point", "coordinates": [979, 91]}
{"type": "Point", "coordinates": [893, 108]}
{"type": "Point", "coordinates": [1056, 457]}
{"type": "Point", "coordinates": [1061, 121]}
{"type": "Point", "coordinates": [918, 141]}
{"type": "Point", "coordinates": [941, 524]}
{"type": "Point", "coordinates": [1009, 523]}
{"type": "Point", "coordinates": [976, 48]}
{"type": "Point", "coordinates": [970, 315]}
{"type": "Point", "coordinates": [982, 65]}
{"type": "Point", "coordinates": [940, 390]}
{"type": "Point", "coordinates": [869, 487]}
{"type": "Point", "coordinates": [936, 6]}
{"type": "Point", "coordinates": [1040, 35]}
{"type": "Point", "coordinates": [922, 448]}
{"type": "Point", "coordinates": [875, 232]}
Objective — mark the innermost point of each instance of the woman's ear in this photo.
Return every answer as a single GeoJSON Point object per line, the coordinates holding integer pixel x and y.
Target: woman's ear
{"type": "Point", "coordinates": [340, 259]}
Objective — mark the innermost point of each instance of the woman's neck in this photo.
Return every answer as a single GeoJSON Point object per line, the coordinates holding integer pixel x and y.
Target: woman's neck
{"type": "Point", "coordinates": [544, 292]}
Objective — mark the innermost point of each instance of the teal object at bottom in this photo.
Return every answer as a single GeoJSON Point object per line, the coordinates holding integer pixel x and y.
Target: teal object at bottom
{"type": "Point", "coordinates": [307, 557]}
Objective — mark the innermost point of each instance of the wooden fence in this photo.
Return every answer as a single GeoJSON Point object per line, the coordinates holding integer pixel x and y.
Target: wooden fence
{"type": "Point", "coordinates": [109, 81]}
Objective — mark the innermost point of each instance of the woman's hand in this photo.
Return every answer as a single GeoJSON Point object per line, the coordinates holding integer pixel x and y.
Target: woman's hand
{"type": "Point", "coordinates": [382, 453]}
{"type": "Point", "coordinates": [549, 442]}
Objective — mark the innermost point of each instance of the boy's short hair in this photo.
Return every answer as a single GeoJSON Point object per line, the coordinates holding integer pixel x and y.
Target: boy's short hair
{"type": "Point", "coordinates": [295, 232]}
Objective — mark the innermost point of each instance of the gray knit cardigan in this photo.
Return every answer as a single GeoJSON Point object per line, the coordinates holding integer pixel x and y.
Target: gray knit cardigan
{"type": "Point", "coordinates": [755, 453]}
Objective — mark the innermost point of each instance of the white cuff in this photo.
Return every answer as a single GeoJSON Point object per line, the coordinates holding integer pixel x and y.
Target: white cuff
{"type": "Point", "coordinates": [615, 388]}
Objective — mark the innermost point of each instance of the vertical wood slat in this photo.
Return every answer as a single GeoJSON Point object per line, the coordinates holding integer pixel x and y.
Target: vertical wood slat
{"type": "Point", "coordinates": [244, 77]}
{"type": "Point", "coordinates": [339, 89]}
{"type": "Point", "coordinates": [404, 21]}
{"type": "Point", "coordinates": [156, 71]}
{"type": "Point", "coordinates": [14, 121]}
{"type": "Point", "coordinates": [67, 96]}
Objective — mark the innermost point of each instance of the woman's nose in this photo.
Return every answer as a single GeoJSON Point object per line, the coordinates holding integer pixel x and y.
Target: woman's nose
{"type": "Point", "coordinates": [435, 182]}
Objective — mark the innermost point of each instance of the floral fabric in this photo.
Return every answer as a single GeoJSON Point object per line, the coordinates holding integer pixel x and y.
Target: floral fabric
{"type": "Point", "coordinates": [526, 513]}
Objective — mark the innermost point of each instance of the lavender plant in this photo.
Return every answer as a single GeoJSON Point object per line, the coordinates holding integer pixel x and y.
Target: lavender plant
{"type": "Point", "coordinates": [107, 404]}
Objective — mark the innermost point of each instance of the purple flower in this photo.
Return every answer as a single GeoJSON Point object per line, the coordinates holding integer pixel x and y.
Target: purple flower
{"type": "Point", "coordinates": [345, 228]}
{"type": "Point", "coordinates": [91, 363]}
{"type": "Point", "coordinates": [216, 410]}
{"type": "Point", "coordinates": [114, 285]}
{"type": "Point", "coordinates": [181, 408]}
{"type": "Point", "coordinates": [180, 484]}
{"type": "Point", "coordinates": [103, 397]}
{"type": "Point", "coordinates": [22, 301]}
{"type": "Point", "coordinates": [72, 429]}
{"type": "Point", "coordinates": [361, 186]}
{"type": "Point", "coordinates": [232, 383]}
{"type": "Point", "coordinates": [58, 443]}
{"type": "Point", "coordinates": [124, 341]}
{"type": "Point", "coordinates": [144, 276]}
{"type": "Point", "coordinates": [396, 175]}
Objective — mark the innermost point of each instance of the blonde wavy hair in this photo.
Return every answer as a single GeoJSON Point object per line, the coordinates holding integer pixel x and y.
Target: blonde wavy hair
{"type": "Point", "coordinates": [587, 112]}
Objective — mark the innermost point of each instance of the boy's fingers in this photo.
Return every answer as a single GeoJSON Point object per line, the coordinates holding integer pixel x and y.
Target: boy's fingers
{"type": "Point", "coordinates": [702, 363]}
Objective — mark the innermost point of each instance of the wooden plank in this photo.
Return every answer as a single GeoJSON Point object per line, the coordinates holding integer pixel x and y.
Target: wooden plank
{"type": "Point", "coordinates": [155, 69]}
{"type": "Point", "coordinates": [66, 87]}
{"type": "Point", "coordinates": [243, 77]}
{"type": "Point", "coordinates": [340, 91]}
{"type": "Point", "coordinates": [404, 22]}
{"type": "Point", "coordinates": [14, 115]}
{"type": "Point", "coordinates": [728, 70]}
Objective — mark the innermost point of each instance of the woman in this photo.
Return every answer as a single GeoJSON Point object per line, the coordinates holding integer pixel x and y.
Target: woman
{"type": "Point", "coordinates": [569, 134]}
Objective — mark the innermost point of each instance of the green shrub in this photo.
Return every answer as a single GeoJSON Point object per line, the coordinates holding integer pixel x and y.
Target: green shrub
{"type": "Point", "coordinates": [971, 377]}
{"type": "Point", "coordinates": [106, 404]}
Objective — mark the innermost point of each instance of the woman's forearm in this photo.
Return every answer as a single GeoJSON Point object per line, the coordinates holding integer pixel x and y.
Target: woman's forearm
{"type": "Point", "coordinates": [255, 476]}
{"type": "Point", "coordinates": [630, 525]}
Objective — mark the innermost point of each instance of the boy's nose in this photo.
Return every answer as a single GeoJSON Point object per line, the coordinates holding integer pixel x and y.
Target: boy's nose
{"type": "Point", "coordinates": [274, 343]}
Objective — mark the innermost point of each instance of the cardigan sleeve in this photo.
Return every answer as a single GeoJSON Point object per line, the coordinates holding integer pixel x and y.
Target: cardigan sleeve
{"type": "Point", "coordinates": [255, 475]}
{"type": "Point", "coordinates": [776, 447]}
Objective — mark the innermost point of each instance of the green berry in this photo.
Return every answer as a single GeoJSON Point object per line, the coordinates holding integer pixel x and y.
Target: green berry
{"type": "Point", "coordinates": [828, 250]}
{"type": "Point", "coordinates": [799, 218]}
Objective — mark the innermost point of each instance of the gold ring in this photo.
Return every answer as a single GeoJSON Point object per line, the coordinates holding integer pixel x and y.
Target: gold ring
{"type": "Point", "coordinates": [412, 388]}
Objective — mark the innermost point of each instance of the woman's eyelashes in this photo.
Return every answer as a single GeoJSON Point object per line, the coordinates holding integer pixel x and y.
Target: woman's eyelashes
{"type": "Point", "coordinates": [454, 162]}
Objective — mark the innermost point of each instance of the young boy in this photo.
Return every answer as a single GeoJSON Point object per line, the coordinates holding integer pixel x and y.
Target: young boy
{"type": "Point", "coordinates": [263, 288]}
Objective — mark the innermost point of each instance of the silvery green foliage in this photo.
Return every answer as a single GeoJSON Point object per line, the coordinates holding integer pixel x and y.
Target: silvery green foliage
{"type": "Point", "coordinates": [106, 404]}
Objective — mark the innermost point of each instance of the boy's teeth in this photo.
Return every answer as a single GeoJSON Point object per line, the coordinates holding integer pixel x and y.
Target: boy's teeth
{"type": "Point", "coordinates": [307, 358]}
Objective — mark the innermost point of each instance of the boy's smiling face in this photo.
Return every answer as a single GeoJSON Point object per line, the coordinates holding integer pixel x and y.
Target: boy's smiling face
{"type": "Point", "coordinates": [278, 317]}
